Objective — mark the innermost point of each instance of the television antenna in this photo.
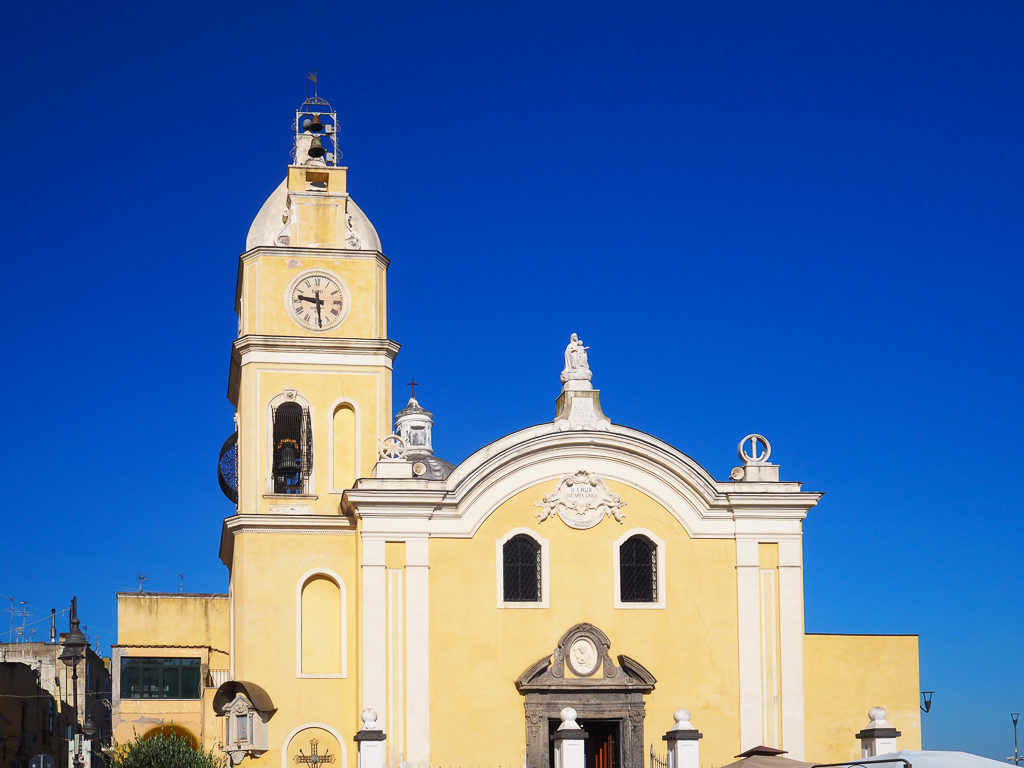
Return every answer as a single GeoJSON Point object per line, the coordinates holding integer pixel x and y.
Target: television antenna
{"type": "Point", "coordinates": [141, 577]}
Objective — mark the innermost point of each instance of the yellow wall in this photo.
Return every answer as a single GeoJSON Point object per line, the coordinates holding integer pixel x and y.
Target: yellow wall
{"type": "Point", "coordinates": [174, 619]}
{"type": "Point", "coordinates": [267, 273]}
{"type": "Point", "coordinates": [846, 675]}
{"type": "Point", "coordinates": [269, 571]}
{"type": "Point", "coordinates": [690, 646]}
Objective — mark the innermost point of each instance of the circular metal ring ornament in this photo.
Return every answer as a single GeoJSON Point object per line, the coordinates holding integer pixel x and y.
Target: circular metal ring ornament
{"type": "Point", "coordinates": [752, 457]}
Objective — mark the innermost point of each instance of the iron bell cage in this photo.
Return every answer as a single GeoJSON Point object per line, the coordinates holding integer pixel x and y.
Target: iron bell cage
{"type": "Point", "coordinates": [316, 118]}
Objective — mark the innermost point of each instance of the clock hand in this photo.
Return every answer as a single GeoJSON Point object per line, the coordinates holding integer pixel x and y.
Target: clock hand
{"type": "Point", "coordinates": [319, 321]}
{"type": "Point", "coordinates": [309, 299]}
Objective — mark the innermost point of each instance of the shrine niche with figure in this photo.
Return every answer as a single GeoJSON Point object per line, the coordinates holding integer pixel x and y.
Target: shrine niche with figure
{"type": "Point", "coordinates": [246, 709]}
{"type": "Point", "coordinates": [608, 699]}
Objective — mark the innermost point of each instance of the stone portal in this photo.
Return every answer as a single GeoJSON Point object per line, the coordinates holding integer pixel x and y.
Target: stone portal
{"type": "Point", "coordinates": [607, 696]}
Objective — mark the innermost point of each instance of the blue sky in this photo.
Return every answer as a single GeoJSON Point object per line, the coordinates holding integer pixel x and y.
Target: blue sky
{"type": "Point", "coordinates": [796, 218]}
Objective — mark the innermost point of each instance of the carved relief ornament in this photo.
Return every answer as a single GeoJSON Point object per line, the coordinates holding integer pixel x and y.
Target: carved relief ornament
{"type": "Point", "coordinates": [582, 500]}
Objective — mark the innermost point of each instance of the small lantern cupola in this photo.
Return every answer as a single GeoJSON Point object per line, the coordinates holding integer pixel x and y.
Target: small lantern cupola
{"type": "Point", "coordinates": [414, 424]}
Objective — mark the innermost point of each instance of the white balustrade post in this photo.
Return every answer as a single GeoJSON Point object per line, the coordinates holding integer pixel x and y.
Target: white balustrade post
{"type": "Point", "coordinates": [569, 740]}
{"type": "Point", "coordinates": [683, 742]}
{"type": "Point", "coordinates": [371, 741]}
{"type": "Point", "coordinates": [879, 738]}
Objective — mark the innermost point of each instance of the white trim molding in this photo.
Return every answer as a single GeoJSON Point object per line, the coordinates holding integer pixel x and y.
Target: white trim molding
{"type": "Point", "coordinates": [545, 570]}
{"type": "Point", "coordinates": [300, 728]}
{"type": "Point", "coordinates": [659, 602]}
{"type": "Point", "coordinates": [343, 624]}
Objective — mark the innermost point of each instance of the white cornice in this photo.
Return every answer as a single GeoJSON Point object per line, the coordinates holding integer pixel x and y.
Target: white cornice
{"type": "Point", "coordinates": [314, 344]}
{"type": "Point", "coordinates": [312, 253]}
{"type": "Point", "coordinates": [314, 350]}
{"type": "Point", "coordinates": [300, 524]}
{"type": "Point", "coordinates": [458, 506]}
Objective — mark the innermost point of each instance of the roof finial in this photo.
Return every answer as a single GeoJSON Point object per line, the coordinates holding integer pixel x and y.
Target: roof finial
{"type": "Point", "coordinates": [412, 384]}
{"type": "Point", "coordinates": [311, 78]}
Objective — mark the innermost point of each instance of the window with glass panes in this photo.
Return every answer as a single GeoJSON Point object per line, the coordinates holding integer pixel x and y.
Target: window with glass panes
{"type": "Point", "coordinates": [521, 566]}
{"type": "Point", "coordinates": [149, 678]}
{"type": "Point", "coordinates": [638, 570]}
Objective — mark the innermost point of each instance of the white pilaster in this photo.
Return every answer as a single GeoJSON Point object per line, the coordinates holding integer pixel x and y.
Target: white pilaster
{"type": "Point", "coordinates": [791, 651]}
{"type": "Point", "coordinates": [374, 641]}
{"type": "Point", "coordinates": [417, 627]}
{"type": "Point", "coordinates": [748, 622]}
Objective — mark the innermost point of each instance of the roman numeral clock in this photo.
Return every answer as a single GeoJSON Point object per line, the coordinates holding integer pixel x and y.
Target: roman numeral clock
{"type": "Point", "coordinates": [317, 300]}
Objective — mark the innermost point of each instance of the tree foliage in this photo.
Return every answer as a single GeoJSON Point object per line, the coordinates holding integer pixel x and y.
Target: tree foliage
{"type": "Point", "coordinates": [161, 750]}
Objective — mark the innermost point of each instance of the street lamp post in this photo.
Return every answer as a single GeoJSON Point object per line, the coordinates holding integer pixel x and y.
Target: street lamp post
{"type": "Point", "coordinates": [75, 646]}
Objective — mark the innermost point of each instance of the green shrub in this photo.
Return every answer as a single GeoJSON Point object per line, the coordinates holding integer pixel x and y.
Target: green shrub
{"type": "Point", "coordinates": [161, 750]}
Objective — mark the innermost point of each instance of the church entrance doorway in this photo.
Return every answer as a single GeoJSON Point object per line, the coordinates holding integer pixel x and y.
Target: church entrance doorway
{"type": "Point", "coordinates": [608, 699]}
{"type": "Point", "coordinates": [602, 748]}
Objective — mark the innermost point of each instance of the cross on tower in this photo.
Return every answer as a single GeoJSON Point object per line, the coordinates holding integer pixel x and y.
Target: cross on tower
{"type": "Point", "coordinates": [412, 384]}
{"type": "Point", "coordinates": [314, 758]}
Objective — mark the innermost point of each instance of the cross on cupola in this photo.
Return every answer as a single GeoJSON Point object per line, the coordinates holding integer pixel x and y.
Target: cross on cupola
{"type": "Point", "coordinates": [314, 757]}
{"type": "Point", "coordinates": [412, 384]}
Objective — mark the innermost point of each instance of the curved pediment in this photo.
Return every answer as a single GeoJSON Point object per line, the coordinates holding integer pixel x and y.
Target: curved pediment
{"type": "Point", "coordinates": [581, 661]}
{"type": "Point", "coordinates": [546, 458]}
{"type": "Point", "coordinates": [544, 454]}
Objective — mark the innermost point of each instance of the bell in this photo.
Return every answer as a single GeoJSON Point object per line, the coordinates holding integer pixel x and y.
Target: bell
{"type": "Point", "coordinates": [287, 461]}
{"type": "Point", "coordinates": [316, 147]}
{"type": "Point", "coordinates": [316, 124]}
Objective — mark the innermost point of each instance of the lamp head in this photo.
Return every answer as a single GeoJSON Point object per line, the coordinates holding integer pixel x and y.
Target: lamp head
{"type": "Point", "coordinates": [75, 642]}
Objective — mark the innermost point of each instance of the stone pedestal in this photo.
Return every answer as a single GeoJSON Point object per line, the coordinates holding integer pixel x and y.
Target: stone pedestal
{"type": "Point", "coordinates": [683, 742]}
{"type": "Point", "coordinates": [370, 741]}
{"type": "Point", "coordinates": [879, 738]}
{"type": "Point", "coordinates": [569, 741]}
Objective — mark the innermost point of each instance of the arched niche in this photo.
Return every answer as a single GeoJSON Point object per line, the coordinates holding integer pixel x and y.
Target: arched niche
{"type": "Point", "coordinates": [320, 625]}
{"type": "Point", "coordinates": [344, 445]}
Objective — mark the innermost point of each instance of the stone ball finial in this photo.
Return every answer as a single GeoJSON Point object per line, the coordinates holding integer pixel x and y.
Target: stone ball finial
{"type": "Point", "coordinates": [568, 715]}
{"type": "Point", "coordinates": [682, 717]}
{"type": "Point", "coordinates": [369, 718]}
{"type": "Point", "coordinates": [877, 713]}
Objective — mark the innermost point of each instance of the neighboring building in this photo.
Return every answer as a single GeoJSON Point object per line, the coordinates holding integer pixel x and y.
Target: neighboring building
{"type": "Point", "coordinates": [573, 563]}
{"type": "Point", "coordinates": [170, 657]}
{"type": "Point", "coordinates": [51, 723]}
{"type": "Point", "coordinates": [29, 723]}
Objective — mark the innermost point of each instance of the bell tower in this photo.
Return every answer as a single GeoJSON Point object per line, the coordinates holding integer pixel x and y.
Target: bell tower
{"type": "Point", "coordinates": [310, 373]}
{"type": "Point", "coordinates": [310, 379]}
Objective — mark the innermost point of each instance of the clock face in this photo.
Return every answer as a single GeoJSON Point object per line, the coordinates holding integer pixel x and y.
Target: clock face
{"type": "Point", "coordinates": [317, 301]}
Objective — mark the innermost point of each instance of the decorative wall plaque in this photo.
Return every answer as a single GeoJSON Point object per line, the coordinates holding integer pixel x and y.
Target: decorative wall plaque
{"type": "Point", "coordinates": [582, 500]}
{"type": "Point", "coordinates": [582, 657]}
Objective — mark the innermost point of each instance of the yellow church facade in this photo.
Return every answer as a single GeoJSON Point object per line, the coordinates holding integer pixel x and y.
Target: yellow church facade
{"type": "Point", "coordinates": [577, 563]}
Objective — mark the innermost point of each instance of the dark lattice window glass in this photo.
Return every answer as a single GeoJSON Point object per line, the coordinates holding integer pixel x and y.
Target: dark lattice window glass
{"type": "Point", "coordinates": [638, 570]}
{"type": "Point", "coordinates": [521, 568]}
{"type": "Point", "coordinates": [293, 448]}
{"type": "Point", "coordinates": [149, 678]}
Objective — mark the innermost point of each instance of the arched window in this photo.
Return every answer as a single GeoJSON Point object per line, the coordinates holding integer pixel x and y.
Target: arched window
{"type": "Point", "coordinates": [638, 570]}
{"type": "Point", "coordinates": [521, 570]}
{"type": "Point", "coordinates": [292, 447]}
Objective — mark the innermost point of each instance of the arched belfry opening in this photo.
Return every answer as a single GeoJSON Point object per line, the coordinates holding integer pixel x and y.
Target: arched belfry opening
{"type": "Point", "coordinates": [608, 698]}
